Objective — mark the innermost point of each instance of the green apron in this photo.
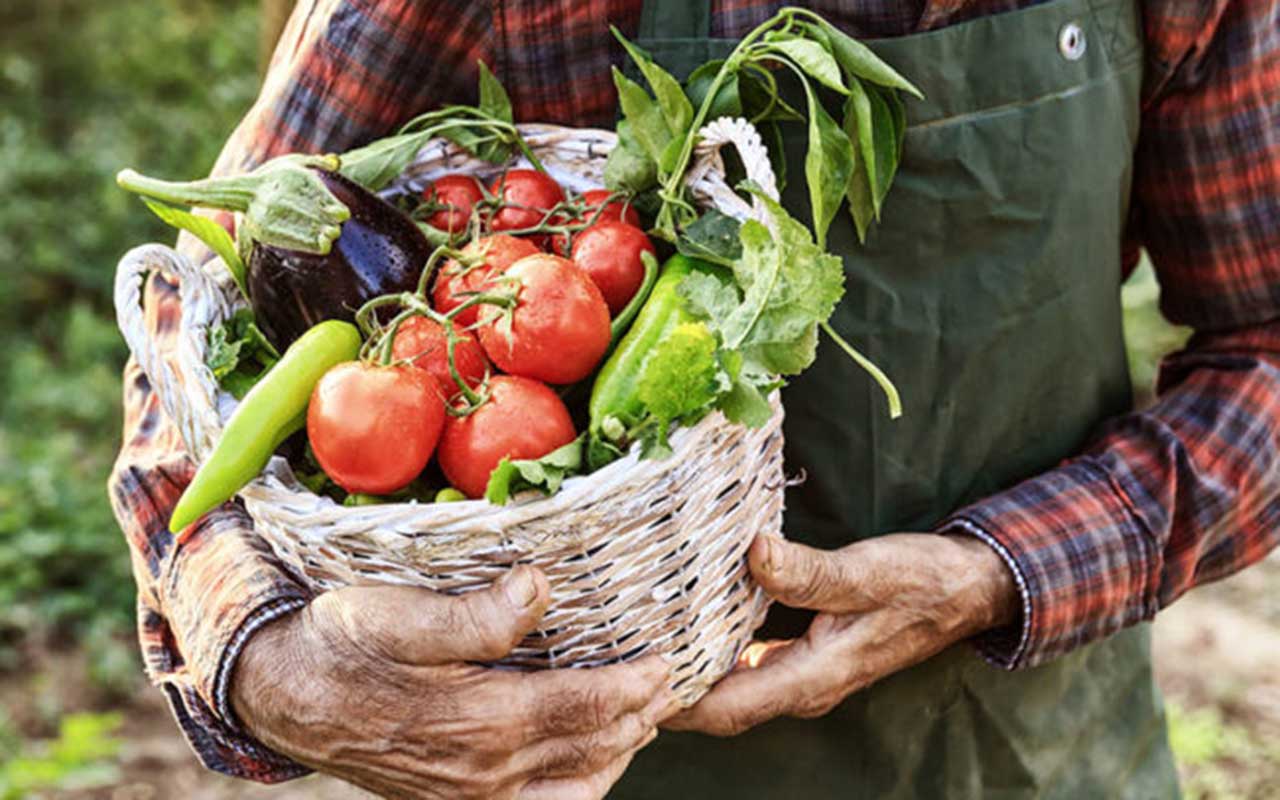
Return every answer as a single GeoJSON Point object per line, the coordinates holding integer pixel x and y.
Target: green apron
{"type": "Point", "coordinates": [990, 292]}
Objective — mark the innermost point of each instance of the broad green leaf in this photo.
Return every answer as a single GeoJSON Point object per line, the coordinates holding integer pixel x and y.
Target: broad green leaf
{"type": "Point", "coordinates": [493, 98]}
{"type": "Point", "coordinates": [828, 165]}
{"type": "Point", "coordinates": [648, 126]}
{"type": "Point", "coordinates": [858, 59]}
{"type": "Point", "coordinates": [785, 286]}
{"type": "Point", "coordinates": [713, 237]}
{"type": "Point", "coordinates": [745, 404]}
{"type": "Point", "coordinates": [629, 168]}
{"type": "Point", "coordinates": [214, 236]}
{"type": "Point", "coordinates": [544, 474]}
{"type": "Point", "coordinates": [728, 101]}
{"type": "Point", "coordinates": [814, 59]}
{"type": "Point", "coordinates": [675, 105]}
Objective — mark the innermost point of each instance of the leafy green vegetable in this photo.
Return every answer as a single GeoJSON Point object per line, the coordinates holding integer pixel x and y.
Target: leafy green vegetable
{"type": "Point", "coordinates": [239, 354]}
{"type": "Point", "coordinates": [628, 167]}
{"type": "Point", "coordinates": [493, 98]}
{"type": "Point", "coordinates": [828, 166]}
{"type": "Point", "coordinates": [812, 57]}
{"type": "Point", "coordinates": [544, 474]}
{"type": "Point", "coordinates": [214, 236]}
{"type": "Point", "coordinates": [672, 101]}
{"type": "Point", "coordinates": [713, 237]}
{"type": "Point", "coordinates": [783, 287]}
{"type": "Point", "coordinates": [663, 130]}
{"type": "Point", "coordinates": [680, 382]}
{"type": "Point", "coordinates": [646, 123]}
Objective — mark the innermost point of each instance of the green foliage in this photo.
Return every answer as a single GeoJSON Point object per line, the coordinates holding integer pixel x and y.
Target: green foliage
{"type": "Point", "coordinates": [85, 88]}
{"type": "Point", "coordinates": [543, 474]}
{"type": "Point", "coordinates": [80, 758]}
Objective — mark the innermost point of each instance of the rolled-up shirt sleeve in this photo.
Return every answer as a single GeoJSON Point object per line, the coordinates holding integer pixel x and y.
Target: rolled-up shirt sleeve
{"type": "Point", "coordinates": [345, 72]}
{"type": "Point", "coordinates": [1188, 490]}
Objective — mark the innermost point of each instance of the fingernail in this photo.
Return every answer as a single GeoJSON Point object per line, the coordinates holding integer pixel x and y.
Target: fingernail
{"type": "Point", "coordinates": [520, 587]}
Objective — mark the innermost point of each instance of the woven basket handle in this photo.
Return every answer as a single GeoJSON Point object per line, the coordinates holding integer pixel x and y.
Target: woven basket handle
{"type": "Point", "coordinates": [708, 165]}
{"type": "Point", "coordinates": [186, 387]}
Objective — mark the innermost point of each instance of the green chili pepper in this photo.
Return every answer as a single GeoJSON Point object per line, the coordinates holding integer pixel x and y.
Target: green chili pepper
{"type": "Point", "coordinates": [272, 411]}
{"type": "Point", "coordinates": [615, 403]}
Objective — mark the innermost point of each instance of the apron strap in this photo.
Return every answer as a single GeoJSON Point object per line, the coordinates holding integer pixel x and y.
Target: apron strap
{"type": "Point", "coordinates": [675, 19]}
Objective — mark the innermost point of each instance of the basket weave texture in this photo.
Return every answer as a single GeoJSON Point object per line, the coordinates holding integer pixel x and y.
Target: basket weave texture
{"type": "Point", "coordinates": [642, 556]}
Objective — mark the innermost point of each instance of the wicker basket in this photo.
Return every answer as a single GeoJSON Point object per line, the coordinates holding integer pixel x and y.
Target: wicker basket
{"type": "Point", "coordinates": [642, 556]}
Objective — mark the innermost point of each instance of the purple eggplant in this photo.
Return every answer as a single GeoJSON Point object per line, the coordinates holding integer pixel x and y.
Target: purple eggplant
{"type": "Point", "coordinates": [321, 244]}
{"type": "Point", "coordinates": [380, 251]}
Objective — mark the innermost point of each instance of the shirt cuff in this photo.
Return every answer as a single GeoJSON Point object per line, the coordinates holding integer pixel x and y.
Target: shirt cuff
{"type": "Point", "coordinates": [1084, 564]}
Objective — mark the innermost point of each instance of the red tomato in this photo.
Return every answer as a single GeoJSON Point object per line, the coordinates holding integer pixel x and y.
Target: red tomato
{"type": "Point", "coordinates": [423, 342]}
{"type": "Point", "coordinates": [610, 254]}
{"type": "Point", "coordinates": [454, 283]}
{"type": "Point", "coordinates": [374, 428]}
{"type": "Point", "coordinates": [535, 193]}
{"type": "Point", "coordinates": [521, 419]}
{"type": "Point", "coordinates": [459, 193]}
{"type": "Point", "coordinates": [559, 328]}
{"type": "Point", "coordinates": [616, 210]}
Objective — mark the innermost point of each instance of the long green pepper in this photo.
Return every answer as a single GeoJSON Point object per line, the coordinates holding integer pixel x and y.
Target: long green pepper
{"type": "Point", "coordinates": [615, 402]}
{"type": "Point", "coordinates": [272, 411]}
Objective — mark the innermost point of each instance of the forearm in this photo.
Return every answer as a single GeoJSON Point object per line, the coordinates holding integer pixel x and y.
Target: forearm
{"type": "Point", "coordinates": [1182, 493]}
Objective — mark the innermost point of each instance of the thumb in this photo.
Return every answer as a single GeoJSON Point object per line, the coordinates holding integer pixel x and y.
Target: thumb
{"type": "Point", "coordinates": [800, 576]}
{"type": "Point", "coordinates": [417, 626]}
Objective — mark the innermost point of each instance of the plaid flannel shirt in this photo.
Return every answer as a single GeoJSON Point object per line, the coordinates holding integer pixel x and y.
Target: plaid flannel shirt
{"type": "Point", "coordinates": [1178, 494]}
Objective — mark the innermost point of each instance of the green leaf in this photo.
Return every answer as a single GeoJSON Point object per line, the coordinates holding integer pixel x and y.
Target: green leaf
{"type": "Point", "coordinates": [889, 155]}
{"type": "Point", "coordinates": [857, 122]}
{"type": "Point", "coordinates": [813, 58]}
{"type": "Point", "coordinates": [647, 124]}
{"type": "Point", "coordinates": [858, 59]}
{"type": "Point", "coordinates": [675, 105]}
{"type": "Point", "coordinates": [828, 165]}
{"type": "Point", "coordinates": [745, 404]}
{"type": "Point", "coordinates": [787, 286]}
{"type": "Point", "coordinates": [493, 98]}
{"type": "Point", "coordinates": [214, 236]}
{"type": "Point", "coordinates": [543, 474]}
{"type": "Point", "coordinates": [713, 237]}
{"type": "Point", "coordinates": [728, 101]}
{"type": "Point", "coordinates": [239, 354]}
{"type": "Point", "coordinates": [629, 168]}
{"type": "Point", "coordinates": [378, 163]}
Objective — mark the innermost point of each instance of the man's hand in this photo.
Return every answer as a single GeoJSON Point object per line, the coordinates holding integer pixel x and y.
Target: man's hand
{"type": "Point", "coordinates": [371, 685]}
{"type": "Point", "coordinates": [885, 603]}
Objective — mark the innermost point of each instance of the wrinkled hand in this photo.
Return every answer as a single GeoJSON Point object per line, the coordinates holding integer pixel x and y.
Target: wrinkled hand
{"type": "Point", "coordinates": [886, 604]}
{"type": "Point", "coordinates": [371, 685]}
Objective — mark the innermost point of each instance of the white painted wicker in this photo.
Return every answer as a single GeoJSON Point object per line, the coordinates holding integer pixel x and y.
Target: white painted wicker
{"type": "Point", "coordinates": [642, 556]}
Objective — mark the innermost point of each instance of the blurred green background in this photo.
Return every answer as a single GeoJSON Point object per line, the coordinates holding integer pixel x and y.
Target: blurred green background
{"type": "Point", "coordinates": [87, 88]}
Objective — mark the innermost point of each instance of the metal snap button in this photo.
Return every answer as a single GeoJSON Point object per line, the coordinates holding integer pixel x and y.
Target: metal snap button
{"type": "Point", "coordinates": [1071, 42]}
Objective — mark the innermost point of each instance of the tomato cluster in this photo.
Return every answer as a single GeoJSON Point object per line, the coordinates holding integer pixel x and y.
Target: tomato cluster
{"type": "Point", "coordinates": [525, 305]}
